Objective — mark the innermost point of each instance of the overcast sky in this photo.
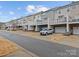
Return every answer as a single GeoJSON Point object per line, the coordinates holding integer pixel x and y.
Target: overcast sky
{"type": "Point", "coordinates": [10, 10]}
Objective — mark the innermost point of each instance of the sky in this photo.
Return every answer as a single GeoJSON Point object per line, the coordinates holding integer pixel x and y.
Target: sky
{"type": "Point", "coordinates": [10, 10]}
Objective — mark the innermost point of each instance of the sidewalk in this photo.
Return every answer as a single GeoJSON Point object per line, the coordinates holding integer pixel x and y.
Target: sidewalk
{"type": "Point", "coordinates": [10, 49]}
{"type": "Point", "coordinates": [72, 40]}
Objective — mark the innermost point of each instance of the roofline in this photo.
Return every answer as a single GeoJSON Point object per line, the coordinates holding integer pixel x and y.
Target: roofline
{"type": "Point", "coordinates": [55, 8]}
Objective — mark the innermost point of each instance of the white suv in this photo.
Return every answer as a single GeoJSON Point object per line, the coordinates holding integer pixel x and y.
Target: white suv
{"type": "Point", "coordinates": [46, 31]}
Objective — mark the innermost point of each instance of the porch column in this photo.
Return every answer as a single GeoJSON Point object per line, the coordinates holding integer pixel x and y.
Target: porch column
{"type": "Point", "coordinates": [67, 24]}
{"type": "Point", "coordinates": [48, 23]}
{"type": "Point", "coordinates": [28, 26]}
{"type": "Point", "coordinates": [36, 28]}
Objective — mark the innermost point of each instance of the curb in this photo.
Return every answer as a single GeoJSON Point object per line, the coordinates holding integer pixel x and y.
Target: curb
{"type": "Point", "coordinates": [27, 51]}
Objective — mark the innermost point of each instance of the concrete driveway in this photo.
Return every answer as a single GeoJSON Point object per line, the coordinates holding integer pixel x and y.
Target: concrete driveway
{"type": "Point", "coordinates": [40, 47]}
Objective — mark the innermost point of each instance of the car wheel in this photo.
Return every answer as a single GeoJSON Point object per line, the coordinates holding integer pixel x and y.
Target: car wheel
{"type": "Point", "coordinates": [52, 33]}
{"type": "Point", "coordinates": [40, 33]}
{"type": "Point", "coordinates": [46, 34]}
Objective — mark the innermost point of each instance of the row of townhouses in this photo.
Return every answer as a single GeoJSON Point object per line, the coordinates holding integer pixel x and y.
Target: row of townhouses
{"type": "Point", "coordinates": [62, 19]}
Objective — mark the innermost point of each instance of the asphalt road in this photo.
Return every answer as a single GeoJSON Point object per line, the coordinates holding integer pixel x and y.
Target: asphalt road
{"type": "Point", "coordinates": [40, 47]}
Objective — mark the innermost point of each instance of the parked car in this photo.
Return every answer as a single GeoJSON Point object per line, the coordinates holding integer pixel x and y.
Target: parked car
{"type": "Point", "coordinates": [46, 31]}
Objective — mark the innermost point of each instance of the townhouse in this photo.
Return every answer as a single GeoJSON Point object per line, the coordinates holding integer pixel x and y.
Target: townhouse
{"type": "Point", "coordinates": [62, 19]}
{"type": "Point", "coordinates": [43, 22]}
{"type": "Point", "coordinates": [66, 18]}
{"type": "Point", "coordinates": [11, 25]}
{"type": "Point", "coordinates": [2, 25]}
{"type": "Point", "coordinates": [33, 22]}
{"type": "Point", "coordinates": [30, 22]}
{"type": "Point", "coordinates": [20, 23]}
{"type": "Point", "coordinates": [40, 21]}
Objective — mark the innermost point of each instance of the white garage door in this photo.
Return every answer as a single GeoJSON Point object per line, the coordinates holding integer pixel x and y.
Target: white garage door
{"type": "Point", "coordinates": [60, 29]}
{"type": "Point", "coordinates": [75, 30]}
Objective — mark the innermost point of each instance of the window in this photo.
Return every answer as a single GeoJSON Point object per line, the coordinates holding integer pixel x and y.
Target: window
{"type": "Point", "coordinates": [43, 14]}
{"type": "Point", "coordinates": [78, 19]}
{"type": "Point", "coordinates": [59, 12]}
{"type": "Point", "coordinates": [60, 16]}
{"type": "Point", "coordinates": [45, 18]}
{"type": "Point", "coordinates": [65, 18]}
{"type": "Point", "coordinates": [39, 20]}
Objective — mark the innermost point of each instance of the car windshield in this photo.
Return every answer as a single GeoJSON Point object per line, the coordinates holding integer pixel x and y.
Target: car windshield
{"type": "Point", "coordinates": [50, 29]}
{"type": "Point", "coordinates": [44, 29]}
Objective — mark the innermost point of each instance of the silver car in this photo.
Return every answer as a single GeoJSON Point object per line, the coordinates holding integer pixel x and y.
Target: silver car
{"type": "Point", "coordinates": [46, 31]}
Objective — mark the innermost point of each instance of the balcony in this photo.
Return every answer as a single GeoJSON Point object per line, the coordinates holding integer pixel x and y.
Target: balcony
{"type": "Point", "coordinates": [74, 21]}
{"type": "Point", "coordinates": [55, 22]}
{"type": "Point", "coordinates": [39, 22]}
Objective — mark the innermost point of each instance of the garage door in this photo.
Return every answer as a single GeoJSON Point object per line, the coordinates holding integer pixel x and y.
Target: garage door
{"type": "Point", "coordinates": [60, 29]}
{"type": "Point", "coordinates": [75, 30]}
